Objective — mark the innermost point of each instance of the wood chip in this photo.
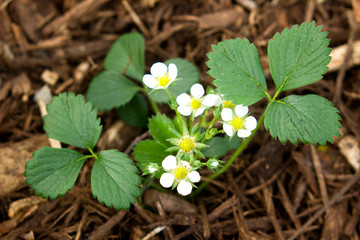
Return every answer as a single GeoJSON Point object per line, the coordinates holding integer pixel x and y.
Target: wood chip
{"type": "Point", "coordinates": [169, 202]}
{"type": "Point", "coordinates": [50, 77]}
{"type": "Point", "coordinates": [13, 159]}
{"type": "Point", "coordinates": [349, 147]}
{"type": "Point", "coordinates": [338, 55]}
{"type": "Point", "coordinates": [21, 85]}
{"type": "Point", "coordinates": [20, 205]}
{"type": "Point", "coordinates": [231, 17]}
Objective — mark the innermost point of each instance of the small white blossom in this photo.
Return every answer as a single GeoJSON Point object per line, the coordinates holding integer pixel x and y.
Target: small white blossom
{"type": "Point", "coordinates": [179, 173]}
{"type": "Point", "coordinates": [196, 102]}
{"type": "Point", "coordinates": [237, 122]}
{"type": "Point", "coordinates": [161, 76]}
{"type": "Point", "coordinates": [152, 169]}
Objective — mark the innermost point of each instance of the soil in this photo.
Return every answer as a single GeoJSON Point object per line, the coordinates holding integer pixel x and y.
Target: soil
{"type": "Point", "coordinates": [272, 191]}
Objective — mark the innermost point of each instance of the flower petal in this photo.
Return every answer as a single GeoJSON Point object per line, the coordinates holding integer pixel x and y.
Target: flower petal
{"type": "Point", "coordinates": [197, 90]}
{"type": "Point", "coordinates": [167, 180]}
{"type": "Point", "coordinates": [241, 110]}
{"type": "Point", "coordinates": [250, 123]}
{"type": "Point", "coordinates": [229, 130]}
{"type": "Point", "coordinates": [184, 188]}
{"type": "Point", "coordinates": [199, 111]}
{"type": "Point", "coordinates": [227, 114]}
{"type": "Point", "coordinates": [184, 110]}
{"type": "Point", "coordinates": [169, 163]}
{"type": "Point", "coordinates": [171, 81]}
{"type": "Point", "coordinates": [183, 99]}
{"type": "Point", "coordinates": [243, 133]}
{"type": "Point", "coordinates": [194, 176]}
{"type": "Point", "coordinates": [211, 100]}
{"type": "Point", "coordinates": [158, 69]}
{"type": "Point", "coordinates": [185, 164]}
{"type": "Point", "coordinates": [150, 81]}
{"type": "Point", "coordinates": [172, 72]}
{"type": "Point", "coordinates": [152, 169]}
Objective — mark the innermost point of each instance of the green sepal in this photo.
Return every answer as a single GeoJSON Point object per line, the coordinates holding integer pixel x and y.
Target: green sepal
{"type": "Point", "coordinates": [173, 149]}
{"type": "Point", "coordinates": [53, 171]}
{"type": "Point", "coordinates": [194, 129]}
{"type": "Point", "coordinates": [161, 129]}
{"type": "Point", "coordinates": [114, 179]}
{"type": "Point", "coordinates": [199, 153]}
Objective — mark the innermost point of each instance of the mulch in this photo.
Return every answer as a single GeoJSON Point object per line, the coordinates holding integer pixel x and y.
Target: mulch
{"type": "Point", "coordinates": [272, 191]}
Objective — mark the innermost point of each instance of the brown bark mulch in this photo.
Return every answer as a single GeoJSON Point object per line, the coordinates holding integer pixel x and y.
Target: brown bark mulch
{"type": "Point", "coordinates": [273, 191]}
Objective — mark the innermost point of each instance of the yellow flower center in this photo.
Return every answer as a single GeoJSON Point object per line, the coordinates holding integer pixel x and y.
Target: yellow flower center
{"type": "Point", "coordinates": [195, 103]}
{"type": "Point", "coordinates": [228, 104]}
{"type": "Point", "coordinates": [186, 144]}
{"type": "Point", "coordinates": [237, 123]}
{"type": "Point", "coordinates": [180, 172]}
{"type": "Point", "coordinates": [163, 81]}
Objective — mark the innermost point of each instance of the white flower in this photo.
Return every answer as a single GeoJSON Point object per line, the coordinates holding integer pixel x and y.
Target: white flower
{"type": "Point", "coordinates": [179, 173]}
{"type": "Point", "coordinates": [226, 103]}
{"type": "Point", "coordinates": [152, 169]}
{"type": "Point", "coordinates": [237, 122]}
{"type": "Point", "coordinates": [161, 76]}
{"type": "Point", "coordinates": [196, 102]}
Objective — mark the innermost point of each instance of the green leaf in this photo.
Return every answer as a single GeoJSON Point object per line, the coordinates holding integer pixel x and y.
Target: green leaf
{"type": "Point", "coordinates": [187, 76]}
{"type": "Point", "coordinates": [235, 65]}
{"type": "Point", "coordinates": [135, 112]}
{"type": "Point", "coordinates": [299, 56]}
{"type": "Point", "coordinates": [53, 171]}
{"type": "Point", "coordinates": [218, 147]}
{"type": "Point", "coordinates": [110, 89]}
{"type": "Point", "coordinates": [73, 121]}
{"type": "Point", "coordinates": [161, 128]}
{"type": "Point", "coordinates": [127, 53]}
{"type": "Point", "coordinates": [149, 151]}
{"type": "Point", "coordinates": [114, 179]}
{"type": "Point", "coordinates": [234, 142]}
{"type": "Point", "coordinates": [310, 119]}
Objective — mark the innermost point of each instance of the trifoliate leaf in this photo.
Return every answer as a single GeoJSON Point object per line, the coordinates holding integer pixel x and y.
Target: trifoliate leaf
{"type": "Point", "coordinates": [187, 76]}
{"type": "Point", "coordinates": [53, 171]}
{"type": "Point", "coordinates": [114, 179]}
{"type": "Point", "coordinates": [73, 121]}
{"type": "Point", "coordinates": [310, 119]}
{"type": "Point", "coordinates": [149, 151]}
{"type": "Point", "coordinates": [161, 129]}
{"type": "Point", "coordinates": [110, 89]}
{"type": "Point", "coordinates": [127, 53]}
{"type": "Point", "coordinates": [299, 56]}
{"type": "Point", "coordinates": [135, 112]}
{"type": "Point", "coordinates": [235, 65]}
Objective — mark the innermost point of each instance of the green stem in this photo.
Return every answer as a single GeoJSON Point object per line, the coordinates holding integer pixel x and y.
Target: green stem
{"type": "Point", "coordinates": [208, 129]}
{"type": "Point", "coordinates": [168, 92]}
{"type": "Point", "coordinates": [92, 153]}
{"type": "Point", "coordinates": [152, 103]}
{"type": "Point", "coordinates": [232, 158]}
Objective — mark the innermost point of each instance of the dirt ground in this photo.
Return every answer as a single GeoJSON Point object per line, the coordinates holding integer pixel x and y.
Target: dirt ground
{"type": "Point", "coordinates": [273, 191]}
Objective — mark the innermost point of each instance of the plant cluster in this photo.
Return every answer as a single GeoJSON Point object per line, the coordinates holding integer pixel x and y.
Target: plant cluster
{"type": "Point", "coordinates": [206, 124]}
